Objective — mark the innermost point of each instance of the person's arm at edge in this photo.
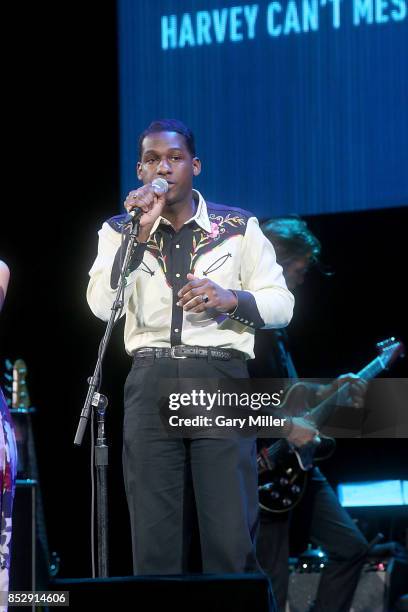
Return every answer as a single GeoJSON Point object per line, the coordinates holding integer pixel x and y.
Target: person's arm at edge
{"type": "Point", "coordinates": [4, 281]}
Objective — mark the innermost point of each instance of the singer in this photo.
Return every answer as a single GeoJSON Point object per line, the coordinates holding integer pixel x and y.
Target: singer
{"type": "Point", "coordinates": [202, 278]}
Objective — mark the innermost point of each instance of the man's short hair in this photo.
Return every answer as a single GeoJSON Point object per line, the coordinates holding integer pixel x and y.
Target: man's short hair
{"type": "Point", "coordinates": [291, 238]}
{"type": "Point", "coordinates": [168, 125]}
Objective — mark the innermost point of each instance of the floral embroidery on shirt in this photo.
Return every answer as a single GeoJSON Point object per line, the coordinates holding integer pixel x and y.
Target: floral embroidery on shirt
{"type": "Point", "coordinates": [215, 230]}
{"type": "Point", "coordinates": [229, 219]}
{"type": "Point", "coordinates": [220, 228]}
{"type": "Point", "coordinates": [155, 246]}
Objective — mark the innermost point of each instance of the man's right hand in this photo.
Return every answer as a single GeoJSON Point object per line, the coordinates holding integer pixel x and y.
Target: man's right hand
{"type": "Point", "coordinates": [151, 204]}
{"type": "Point", "coordinates": [302, 432]}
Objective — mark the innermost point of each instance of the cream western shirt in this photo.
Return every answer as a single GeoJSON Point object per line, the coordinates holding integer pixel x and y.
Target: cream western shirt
{"type": "Point", "coordinates": [219, 242]}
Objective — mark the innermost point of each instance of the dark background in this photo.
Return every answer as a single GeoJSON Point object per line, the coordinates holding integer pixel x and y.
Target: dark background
{"type": "Point", "coordinates": [62, 181]}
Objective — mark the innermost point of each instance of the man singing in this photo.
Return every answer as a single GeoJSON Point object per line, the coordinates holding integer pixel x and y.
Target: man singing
{"type": "Point", "coordinates": [202, 278]}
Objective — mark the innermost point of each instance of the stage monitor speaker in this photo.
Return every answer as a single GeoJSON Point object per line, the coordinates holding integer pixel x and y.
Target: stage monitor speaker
{"type": "Point", "coordinates": [397, 582]}
{"type": "Point", "coordinates": [377, 591]}
{"type": "Point", "coordinates": [209, 593]}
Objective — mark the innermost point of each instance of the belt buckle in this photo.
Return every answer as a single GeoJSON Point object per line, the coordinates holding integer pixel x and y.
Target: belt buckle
{"type": "Point", "coordinates": [173, 354]}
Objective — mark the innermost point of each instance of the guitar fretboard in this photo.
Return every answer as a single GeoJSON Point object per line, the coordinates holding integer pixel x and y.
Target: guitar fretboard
{"type": "Point", "coordinates": [323, 411]}
{"type": "Point", "coordinates": [372, 369]}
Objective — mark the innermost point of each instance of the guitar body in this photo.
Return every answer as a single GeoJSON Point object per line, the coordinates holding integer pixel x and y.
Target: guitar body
{"type": "Point", "coordinates": [314, 452]}
{"type": "Point", "coordinates": [296, 401]}
{"type": "Point", "coordinates": [281, 485]}
{"type": "Point", "coordinates": [283, 468]}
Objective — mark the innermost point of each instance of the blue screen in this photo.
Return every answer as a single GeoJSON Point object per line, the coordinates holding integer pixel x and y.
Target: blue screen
{"type": "Point", "coordinates": [297, 106]}
{"type": "Point", "coordinates": [377, 493]}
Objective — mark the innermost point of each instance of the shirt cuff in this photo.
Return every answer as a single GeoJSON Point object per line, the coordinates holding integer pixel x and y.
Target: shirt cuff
{"type": "Point", "coordinates": [246, 311]}
{"type": "Point", "coordinates": [136, 258]}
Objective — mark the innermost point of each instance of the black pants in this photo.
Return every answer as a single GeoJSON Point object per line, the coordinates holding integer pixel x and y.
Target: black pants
{"type": "Point", "coordinates": [330, 527]}
{"type": "Point", "coordinates": [162, 472]}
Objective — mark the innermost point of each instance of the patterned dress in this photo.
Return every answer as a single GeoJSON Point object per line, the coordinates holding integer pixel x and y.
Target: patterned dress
{"type": "Point", "coordinates": [8, 469]}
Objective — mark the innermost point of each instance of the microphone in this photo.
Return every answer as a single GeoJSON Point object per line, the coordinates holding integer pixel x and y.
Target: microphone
{"type": "Point", "coordinates": [160, 186]}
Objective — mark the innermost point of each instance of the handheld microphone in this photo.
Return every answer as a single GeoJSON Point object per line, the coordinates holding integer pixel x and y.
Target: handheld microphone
{"type": "Point", "coordinates": [160, 186]}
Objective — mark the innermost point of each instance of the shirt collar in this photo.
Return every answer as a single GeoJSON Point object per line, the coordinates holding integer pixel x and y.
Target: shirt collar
{"type": "Point", "coordinates": [200, 217]}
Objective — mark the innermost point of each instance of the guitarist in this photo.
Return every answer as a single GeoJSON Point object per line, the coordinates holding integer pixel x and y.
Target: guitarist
{"type": "Point", "coordinates": [329, 525]}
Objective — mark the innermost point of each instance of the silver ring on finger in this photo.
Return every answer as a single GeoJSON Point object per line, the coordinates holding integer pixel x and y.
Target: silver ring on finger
{"type": "Point", "coordinates": [205, 298]}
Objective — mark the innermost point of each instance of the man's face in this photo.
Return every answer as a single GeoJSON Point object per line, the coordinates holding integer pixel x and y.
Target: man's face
{"type": "Point", "coordinates": [165, 155]}
{"type": "Point", "coordinates": [295, 271]}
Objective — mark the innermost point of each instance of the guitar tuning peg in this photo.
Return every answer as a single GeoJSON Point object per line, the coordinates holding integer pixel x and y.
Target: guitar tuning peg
{"type": "Point", "coordinates": [8, 400]}
{"type": "Point", "coordinates": [9, 389]}
{"type": "Point", "coordinates": [8, 377]}
{"type": "Point", "coordinates": [9, 365]}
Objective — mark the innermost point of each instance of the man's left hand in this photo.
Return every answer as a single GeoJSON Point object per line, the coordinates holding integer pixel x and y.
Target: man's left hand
{"type": "Point", "coordinates": [200, 294]}
{"type": "Point", "coordinates": [356, 391]}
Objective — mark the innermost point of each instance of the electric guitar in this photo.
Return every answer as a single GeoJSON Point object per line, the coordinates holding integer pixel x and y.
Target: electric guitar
{"type": "Point", "coordinates": [283, 468]}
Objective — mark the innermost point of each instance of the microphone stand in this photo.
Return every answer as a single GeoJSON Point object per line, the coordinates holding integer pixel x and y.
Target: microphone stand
{"type": "Point", "coordinates": [100, 402]}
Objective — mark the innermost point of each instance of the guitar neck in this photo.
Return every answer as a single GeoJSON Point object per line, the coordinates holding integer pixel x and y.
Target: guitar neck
{"type": "Point", "coordinates": [321, 413]}
{"type": "Point", "coordinates": [372, 369]}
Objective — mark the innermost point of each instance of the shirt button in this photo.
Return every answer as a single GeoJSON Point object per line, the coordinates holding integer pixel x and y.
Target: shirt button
{"type": "Point", "coordinates": [176, 331]}
{"type": "Point", "coordinates": [177, 246]}
{"type": "Point", "coordinates": [178, 275]}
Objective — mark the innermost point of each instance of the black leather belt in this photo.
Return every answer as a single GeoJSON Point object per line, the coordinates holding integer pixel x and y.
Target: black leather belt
{"type": "Point", "coordinates": [184, 351]}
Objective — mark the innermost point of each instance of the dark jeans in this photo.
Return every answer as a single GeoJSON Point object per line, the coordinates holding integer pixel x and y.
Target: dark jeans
{"type": "Point", "coordinates": [161, 474]}
{"type": "Point", "coordinates": [330, 527]}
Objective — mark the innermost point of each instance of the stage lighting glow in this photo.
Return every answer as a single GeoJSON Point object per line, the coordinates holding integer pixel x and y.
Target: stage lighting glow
{"type": "Point", "coordinates": [376, 493]}
{"type": "Point", "coordinates": [405, 491]}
